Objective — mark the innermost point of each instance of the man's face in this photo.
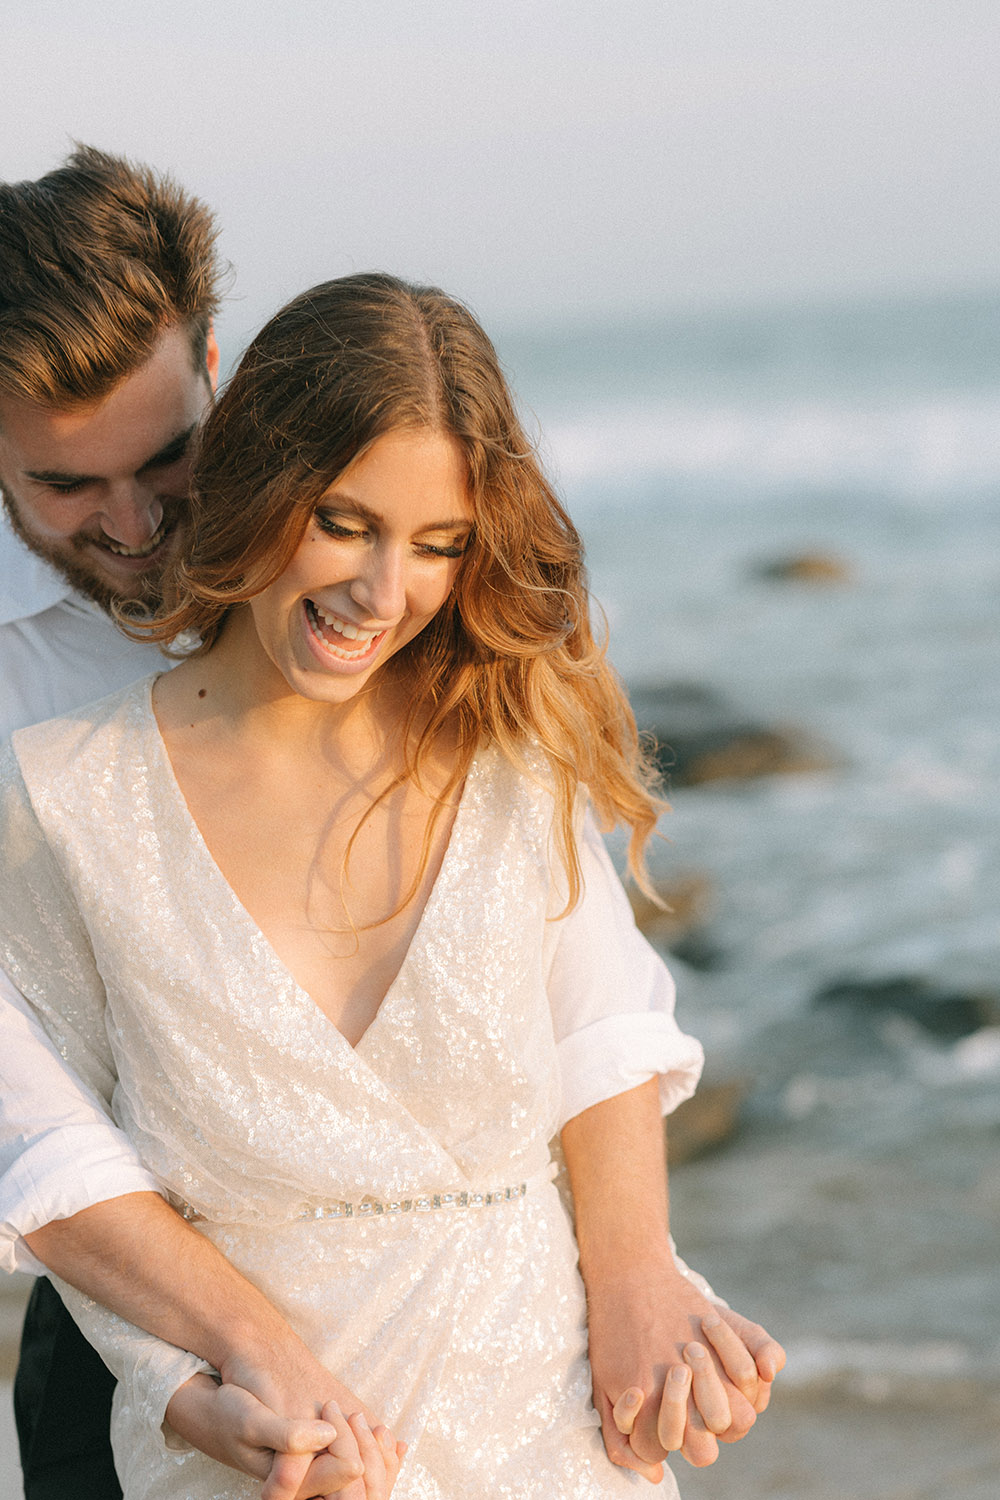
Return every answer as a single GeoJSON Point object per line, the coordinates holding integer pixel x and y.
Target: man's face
{"type": "Point", "coordinates": [101, 491]}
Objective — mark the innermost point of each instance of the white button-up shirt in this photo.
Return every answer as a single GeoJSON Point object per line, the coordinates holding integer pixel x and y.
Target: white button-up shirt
{"type": "Point", "coordinates": [59, 1152]}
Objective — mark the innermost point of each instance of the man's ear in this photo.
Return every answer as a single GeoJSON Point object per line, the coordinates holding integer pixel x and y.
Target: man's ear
{"type": "Point", "coordinates": [212, 358]}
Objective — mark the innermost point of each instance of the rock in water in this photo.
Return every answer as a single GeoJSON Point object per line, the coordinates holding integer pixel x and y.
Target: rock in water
{"type": "Point", "coordinates": [947, 1014]}
{"type": "Point", "coordinates": [805, 567]}
{"type": "Point", "coordinates": [705, 1121]}
{"type": "Point", "coordinates": [681, 923]}
{"type": "Point", "coordinates": [700, 737]}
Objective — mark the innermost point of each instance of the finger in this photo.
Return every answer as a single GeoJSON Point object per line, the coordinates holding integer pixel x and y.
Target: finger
{"type": "Point", "coordinates": [375, 1478]}
{"type": "Point", "coordinates": [672, 1417]}
{"type": "Point", "coordinates": [286, 1476]}
{"type": "Point", "coordinates": [768, 1354]}
{"type": "Point", "coordinates": [345, 1445]}
{"type": "Point", "coordinates": [734, 1356]}
{"type": "Point", "coordinates": [330, 1476]}
{"type": "Point", "coordinates": [616, 1445]}
{"type": "Point", "coordinates": [707, 1390]}
{"type": "Point", "coordinates": [265, 1429]}
{"type": "Point", "coordinates": [390, 1455]}
{"type": "Point", "coordinates": [339, 1469]}
{"type": "Point", "coordinates": [744, 1416]}
{"type": "Point", "coordinates": [627, 1408]}
{"type": "Point", "coordinates": [700, 1447]}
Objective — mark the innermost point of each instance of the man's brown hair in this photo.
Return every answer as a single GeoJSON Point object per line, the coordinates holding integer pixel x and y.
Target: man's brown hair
{"type": "Point", "coordinates": [97, 259]}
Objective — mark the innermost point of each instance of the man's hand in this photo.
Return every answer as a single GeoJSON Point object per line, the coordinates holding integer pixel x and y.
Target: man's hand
{"type": "Point", "coordinates": [135, 1255]}
{"type": "Point", "coordinates": [297, 1459]}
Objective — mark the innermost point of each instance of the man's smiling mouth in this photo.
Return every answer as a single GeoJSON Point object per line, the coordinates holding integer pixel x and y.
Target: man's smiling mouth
{"type": "Point", "coordinates": [146, 550]}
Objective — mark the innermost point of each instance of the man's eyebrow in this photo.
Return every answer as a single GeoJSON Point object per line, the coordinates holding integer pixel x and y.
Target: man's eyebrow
{"type": "Point", "coordinates": [168, 454]}
{"type": "Point", "coordinates": [171, 451]}
{"type": "Point", "coordinates": [339, 501]}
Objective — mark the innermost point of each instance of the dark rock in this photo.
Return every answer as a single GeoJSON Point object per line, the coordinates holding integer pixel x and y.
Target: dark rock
{"type": "Point", "coordinates": [805, 567]}
{"type": "Point", "coordinates": [706, 1121]}
{"type": "Point", "coordinates": [700, 737]}
{"type": "Point", "coordinates": [681, 923]}
{"type": "Point", "coordinates": [947, 1014]}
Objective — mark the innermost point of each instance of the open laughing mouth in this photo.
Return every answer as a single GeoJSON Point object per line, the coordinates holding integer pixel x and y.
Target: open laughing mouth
{"type": "Point", "coordinates": [134, 554]}
{"type": "Point", "coordinates": [339, 637]}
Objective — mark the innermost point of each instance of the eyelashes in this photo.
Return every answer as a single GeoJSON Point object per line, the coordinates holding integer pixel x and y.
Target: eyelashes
{"type": "Point", "coordinates": [331, 527]}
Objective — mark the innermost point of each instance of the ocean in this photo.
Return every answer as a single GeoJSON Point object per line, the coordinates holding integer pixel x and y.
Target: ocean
{"type": "Point", "coordinates": [856, 1210]}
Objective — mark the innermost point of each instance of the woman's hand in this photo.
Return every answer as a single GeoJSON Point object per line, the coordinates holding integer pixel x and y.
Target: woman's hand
{"type": "Point", "coordinates": [645, 1316]}
{"type": "Point", "coordinates": [671, 1371]}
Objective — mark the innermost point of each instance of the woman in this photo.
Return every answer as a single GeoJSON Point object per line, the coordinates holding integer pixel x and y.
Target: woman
{"type": "Point", "coordinates": [326, 904]}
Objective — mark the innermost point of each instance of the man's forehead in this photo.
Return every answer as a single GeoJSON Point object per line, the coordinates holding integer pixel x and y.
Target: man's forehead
{"type": "Point", "coordinates": [142, 415]}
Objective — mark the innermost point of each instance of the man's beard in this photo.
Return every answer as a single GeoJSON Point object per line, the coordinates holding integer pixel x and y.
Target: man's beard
{"type": "Point", "coordinates": [69, 558]}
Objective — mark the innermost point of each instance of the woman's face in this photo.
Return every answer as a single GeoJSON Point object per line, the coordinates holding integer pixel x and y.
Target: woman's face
{"type": "Point", "coordinates": [378, 561]}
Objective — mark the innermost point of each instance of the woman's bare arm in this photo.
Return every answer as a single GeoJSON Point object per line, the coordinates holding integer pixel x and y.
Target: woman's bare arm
{"type": "Point", "coordinates": [644, 1315]}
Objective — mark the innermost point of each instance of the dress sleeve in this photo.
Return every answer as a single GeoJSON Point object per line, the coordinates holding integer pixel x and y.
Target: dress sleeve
{"type": "Point", "coordinates": [612, 997]}
{"type": "Point", "coordinates": [46, 953]}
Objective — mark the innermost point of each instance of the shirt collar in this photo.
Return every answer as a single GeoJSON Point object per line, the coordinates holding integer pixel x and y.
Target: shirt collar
{"type": "Point", "coordinates": [28, 585]}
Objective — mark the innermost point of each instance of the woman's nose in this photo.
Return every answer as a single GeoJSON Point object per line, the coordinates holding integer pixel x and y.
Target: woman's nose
{"type": "Point", "coordinates": [380, 586]}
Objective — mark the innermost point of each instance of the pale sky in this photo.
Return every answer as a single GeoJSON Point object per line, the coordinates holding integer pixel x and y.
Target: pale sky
{"type": "Point", "coordinates": [542, 158]}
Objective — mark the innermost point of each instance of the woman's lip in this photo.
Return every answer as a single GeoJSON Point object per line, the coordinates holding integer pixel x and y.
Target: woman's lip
{"type": "Point", "coordinates": [329, 655]}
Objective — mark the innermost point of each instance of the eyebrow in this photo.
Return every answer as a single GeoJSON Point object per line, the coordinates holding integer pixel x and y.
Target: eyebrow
{"type": "Point", "coordinates": [340, 501]}
{"type": "Point", "coordinates": [168, 454]}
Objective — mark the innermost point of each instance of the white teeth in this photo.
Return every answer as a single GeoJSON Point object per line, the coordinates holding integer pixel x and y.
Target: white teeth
{"type": "Point", "coordinates": [145, 551]}
{"type": "Point", "coordinates": [344, 627]}
{"type": "Point", "coordinates": [350, 632]}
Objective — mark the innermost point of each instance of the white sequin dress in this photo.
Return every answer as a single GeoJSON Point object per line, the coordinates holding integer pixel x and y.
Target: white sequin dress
{"type": "Point", "coordinates": [393, 1199]}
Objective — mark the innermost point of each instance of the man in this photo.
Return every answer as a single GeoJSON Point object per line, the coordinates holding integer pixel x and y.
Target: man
{"type": "Point", "coordinates": [108, 284]}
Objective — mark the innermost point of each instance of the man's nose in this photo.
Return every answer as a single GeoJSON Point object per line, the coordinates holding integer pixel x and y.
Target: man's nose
{"type": "Point", "coordinates": [131, 514]}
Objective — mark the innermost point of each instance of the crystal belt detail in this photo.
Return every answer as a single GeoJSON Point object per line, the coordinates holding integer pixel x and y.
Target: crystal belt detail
{"type": "Point", "coordinates": [425, 1203]}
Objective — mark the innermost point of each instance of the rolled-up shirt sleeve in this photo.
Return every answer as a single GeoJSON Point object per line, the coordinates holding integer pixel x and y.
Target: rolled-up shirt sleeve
{"type": "Point", "coordinates": [59, 1150]}
{"type": "Point", "coordinates": [612, 997]}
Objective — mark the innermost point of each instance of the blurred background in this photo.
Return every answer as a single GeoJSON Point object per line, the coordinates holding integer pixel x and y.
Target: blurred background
{"type": "Point", "coordinates": [740, 259]}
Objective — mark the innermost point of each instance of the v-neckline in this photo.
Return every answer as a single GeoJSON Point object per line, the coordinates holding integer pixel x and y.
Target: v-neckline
{"type": "Point", "coordinates": [197, 839]}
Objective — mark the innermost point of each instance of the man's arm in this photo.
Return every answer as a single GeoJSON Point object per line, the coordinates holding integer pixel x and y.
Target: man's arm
{"type": "Point", "coordinates": [76, 1200]}
{"type": "Point", "coordinates": [135, 1256]}
{"type": "Point", "coordinates": [75, 1193]}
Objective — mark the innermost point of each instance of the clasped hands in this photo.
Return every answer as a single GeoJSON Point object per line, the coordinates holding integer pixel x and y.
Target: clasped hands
{"type": "Point", "coordinates": [246, 1422]}
{"type": "Point", "coordinates": [675, 1373]}
{"type": "Point", "coordinates": [671, 1372]}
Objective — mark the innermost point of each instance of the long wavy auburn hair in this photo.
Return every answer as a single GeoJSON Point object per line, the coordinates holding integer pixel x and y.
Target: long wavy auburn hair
{"type": "Point", "coordinates": [510, 659]}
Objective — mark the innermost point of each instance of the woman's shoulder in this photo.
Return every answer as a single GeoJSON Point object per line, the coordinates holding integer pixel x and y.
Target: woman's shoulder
{"type": "Point", "coordinates": [82, 745]}
{"type": "Point", "coordinates": [512, 792]}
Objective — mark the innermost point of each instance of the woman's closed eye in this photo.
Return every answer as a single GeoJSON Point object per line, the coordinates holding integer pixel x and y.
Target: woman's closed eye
{"type": "Point", "coordinates": [455, 549]}
{"type": "Point", "coordinates": [333, 527]}
{"type": "Point", "coordinates": [345, 531]}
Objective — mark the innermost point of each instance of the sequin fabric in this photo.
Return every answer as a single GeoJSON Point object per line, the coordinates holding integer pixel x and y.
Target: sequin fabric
{"type": "Point", "coordinates": [465, 1330]}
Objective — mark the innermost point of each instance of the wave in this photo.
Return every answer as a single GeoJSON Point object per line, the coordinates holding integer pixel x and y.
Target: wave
{"type": "Point", "coordinates": [925, 449]}
{"type": "Point", "coordinates": [883, 1370]}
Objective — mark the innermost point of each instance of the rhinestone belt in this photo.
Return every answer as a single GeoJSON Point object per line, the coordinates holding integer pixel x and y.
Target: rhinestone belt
{"type": "Point", "coordinates": [367, 1207]}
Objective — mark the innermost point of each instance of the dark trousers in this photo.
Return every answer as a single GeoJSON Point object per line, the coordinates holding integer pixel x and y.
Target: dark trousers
{"type": "Point", "coordinates": [62, 1407]}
